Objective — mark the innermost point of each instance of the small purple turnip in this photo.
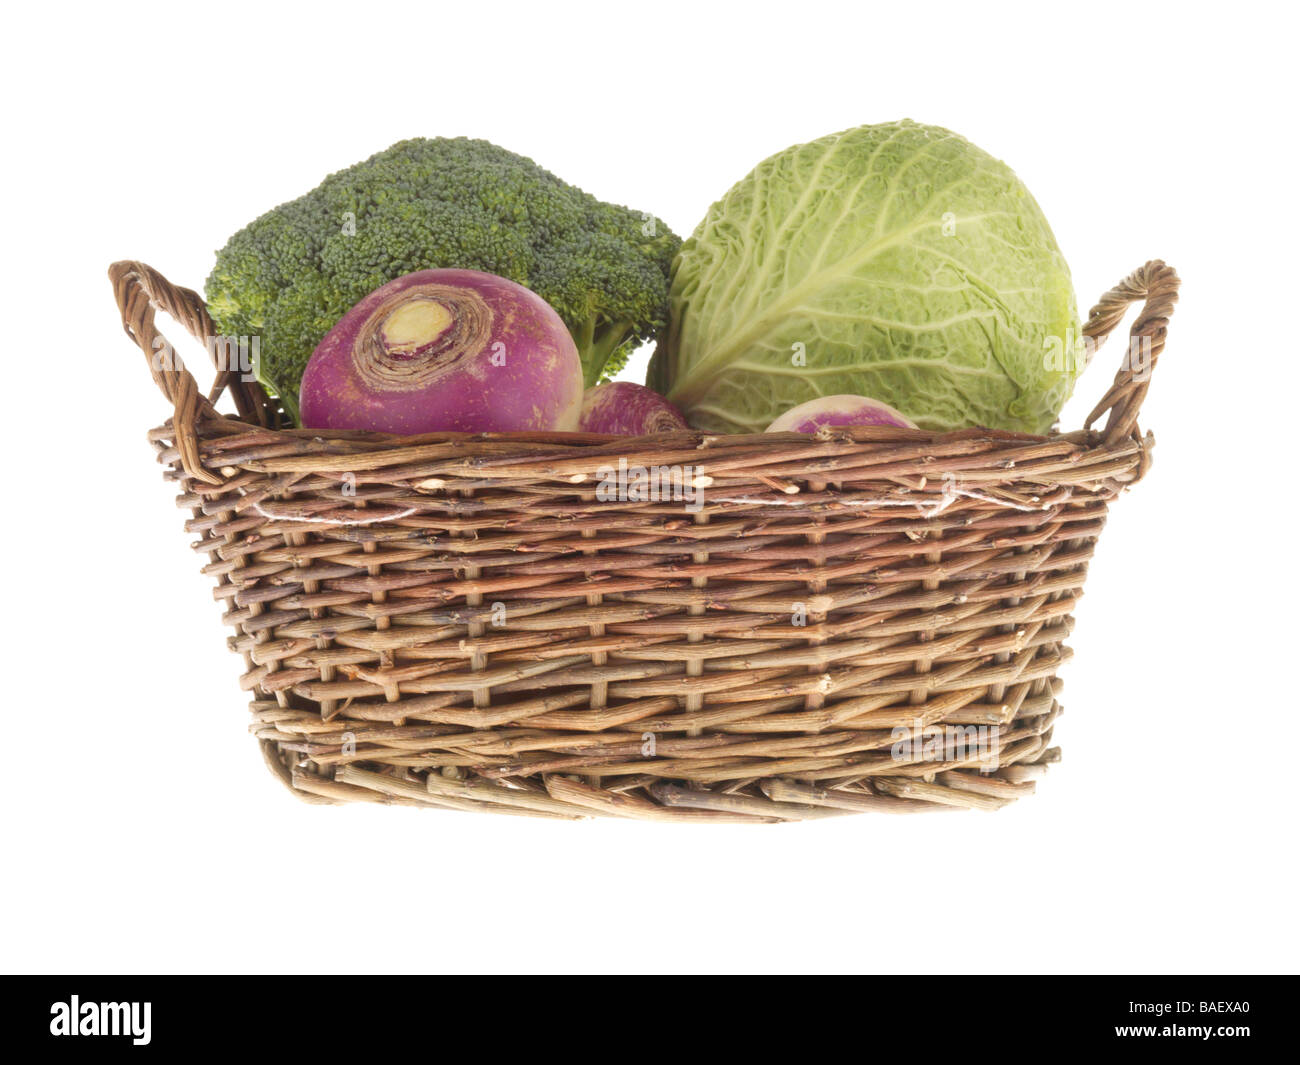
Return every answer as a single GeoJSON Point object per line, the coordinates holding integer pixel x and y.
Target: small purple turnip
{"type": "Point", "coordinates": [838, 410]}
{"type": "Point", "coordinates": [624, 409]}
{"type": "Point", "coordinates": [445, 351]}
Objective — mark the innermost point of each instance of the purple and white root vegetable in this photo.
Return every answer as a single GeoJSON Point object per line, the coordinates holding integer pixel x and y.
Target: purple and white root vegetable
{"type": "Point", "coordinates": [445, 351]}
{"type": "Point", "coordinates": [625, 409]}
{"type": "Point", "coordinates": [838, 410]}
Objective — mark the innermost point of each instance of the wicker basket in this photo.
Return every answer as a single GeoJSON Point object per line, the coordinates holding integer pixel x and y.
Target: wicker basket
{"type": "Point", "coordinates": [865, 619]}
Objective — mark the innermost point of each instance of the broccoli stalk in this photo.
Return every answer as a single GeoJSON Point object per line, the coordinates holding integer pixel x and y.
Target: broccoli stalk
{"type": "Point", "coordinates": [289, 276]}
{"type": "Point", "coordinates": [604, 348]}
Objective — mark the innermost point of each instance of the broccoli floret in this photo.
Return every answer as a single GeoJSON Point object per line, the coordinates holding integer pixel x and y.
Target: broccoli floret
{"type": "Point", "coordinates": [294, 272]}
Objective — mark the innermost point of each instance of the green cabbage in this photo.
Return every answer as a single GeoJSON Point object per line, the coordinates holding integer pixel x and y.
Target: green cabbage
{"type": "Point", "coordinates": [896, 261]}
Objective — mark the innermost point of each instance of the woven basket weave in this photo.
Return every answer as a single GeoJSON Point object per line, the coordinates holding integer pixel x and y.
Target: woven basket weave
{"type": "Point", "coordinates": [460, 621]}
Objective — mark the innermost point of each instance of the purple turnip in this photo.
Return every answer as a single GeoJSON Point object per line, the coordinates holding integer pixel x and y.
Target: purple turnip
{"type": "Point", "coordinates": [838, 410]}
{"type": "Point", "coordinates": [624, 409]}
{"type": "Point", "coordinates": [445, 351]}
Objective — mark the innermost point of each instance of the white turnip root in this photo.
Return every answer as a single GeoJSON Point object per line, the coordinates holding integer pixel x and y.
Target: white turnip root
{"type": "Point", "coordinates": [445, 351]}
{"type": "Point", "coordinates": [625, 409]}
{"type": "Point", "coordinates": [838, 410]}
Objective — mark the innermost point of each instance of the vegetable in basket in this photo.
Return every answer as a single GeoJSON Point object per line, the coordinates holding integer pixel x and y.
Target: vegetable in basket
{"type": "Point", "coordinates": [289, 276]}
{"type": "Point", "coordinates": [627, 409]}
{"type": "Point", "coordinates": [445, 351]}
{"type": "Point", "coordinates": [896, 261]}
{"type": "Point", "coordinates": [838, 410]}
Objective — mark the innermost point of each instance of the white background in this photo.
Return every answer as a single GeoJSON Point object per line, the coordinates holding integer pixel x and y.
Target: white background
{"type": "Point", "coordinates": [142, 832]}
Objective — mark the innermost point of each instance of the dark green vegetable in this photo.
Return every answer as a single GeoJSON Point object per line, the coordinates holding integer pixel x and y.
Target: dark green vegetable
{"type": "Point", "coordinates": [424, 204]}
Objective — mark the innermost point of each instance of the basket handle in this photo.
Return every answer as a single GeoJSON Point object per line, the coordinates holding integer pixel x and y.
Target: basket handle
{"type": "Point", "coordinates": [1157, 284]}
{"type": "Point", "coordinates": [141, 291]}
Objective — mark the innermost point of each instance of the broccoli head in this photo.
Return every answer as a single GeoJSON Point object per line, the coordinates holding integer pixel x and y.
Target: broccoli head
{"type": "Point", "coordinates": [292, 274]}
